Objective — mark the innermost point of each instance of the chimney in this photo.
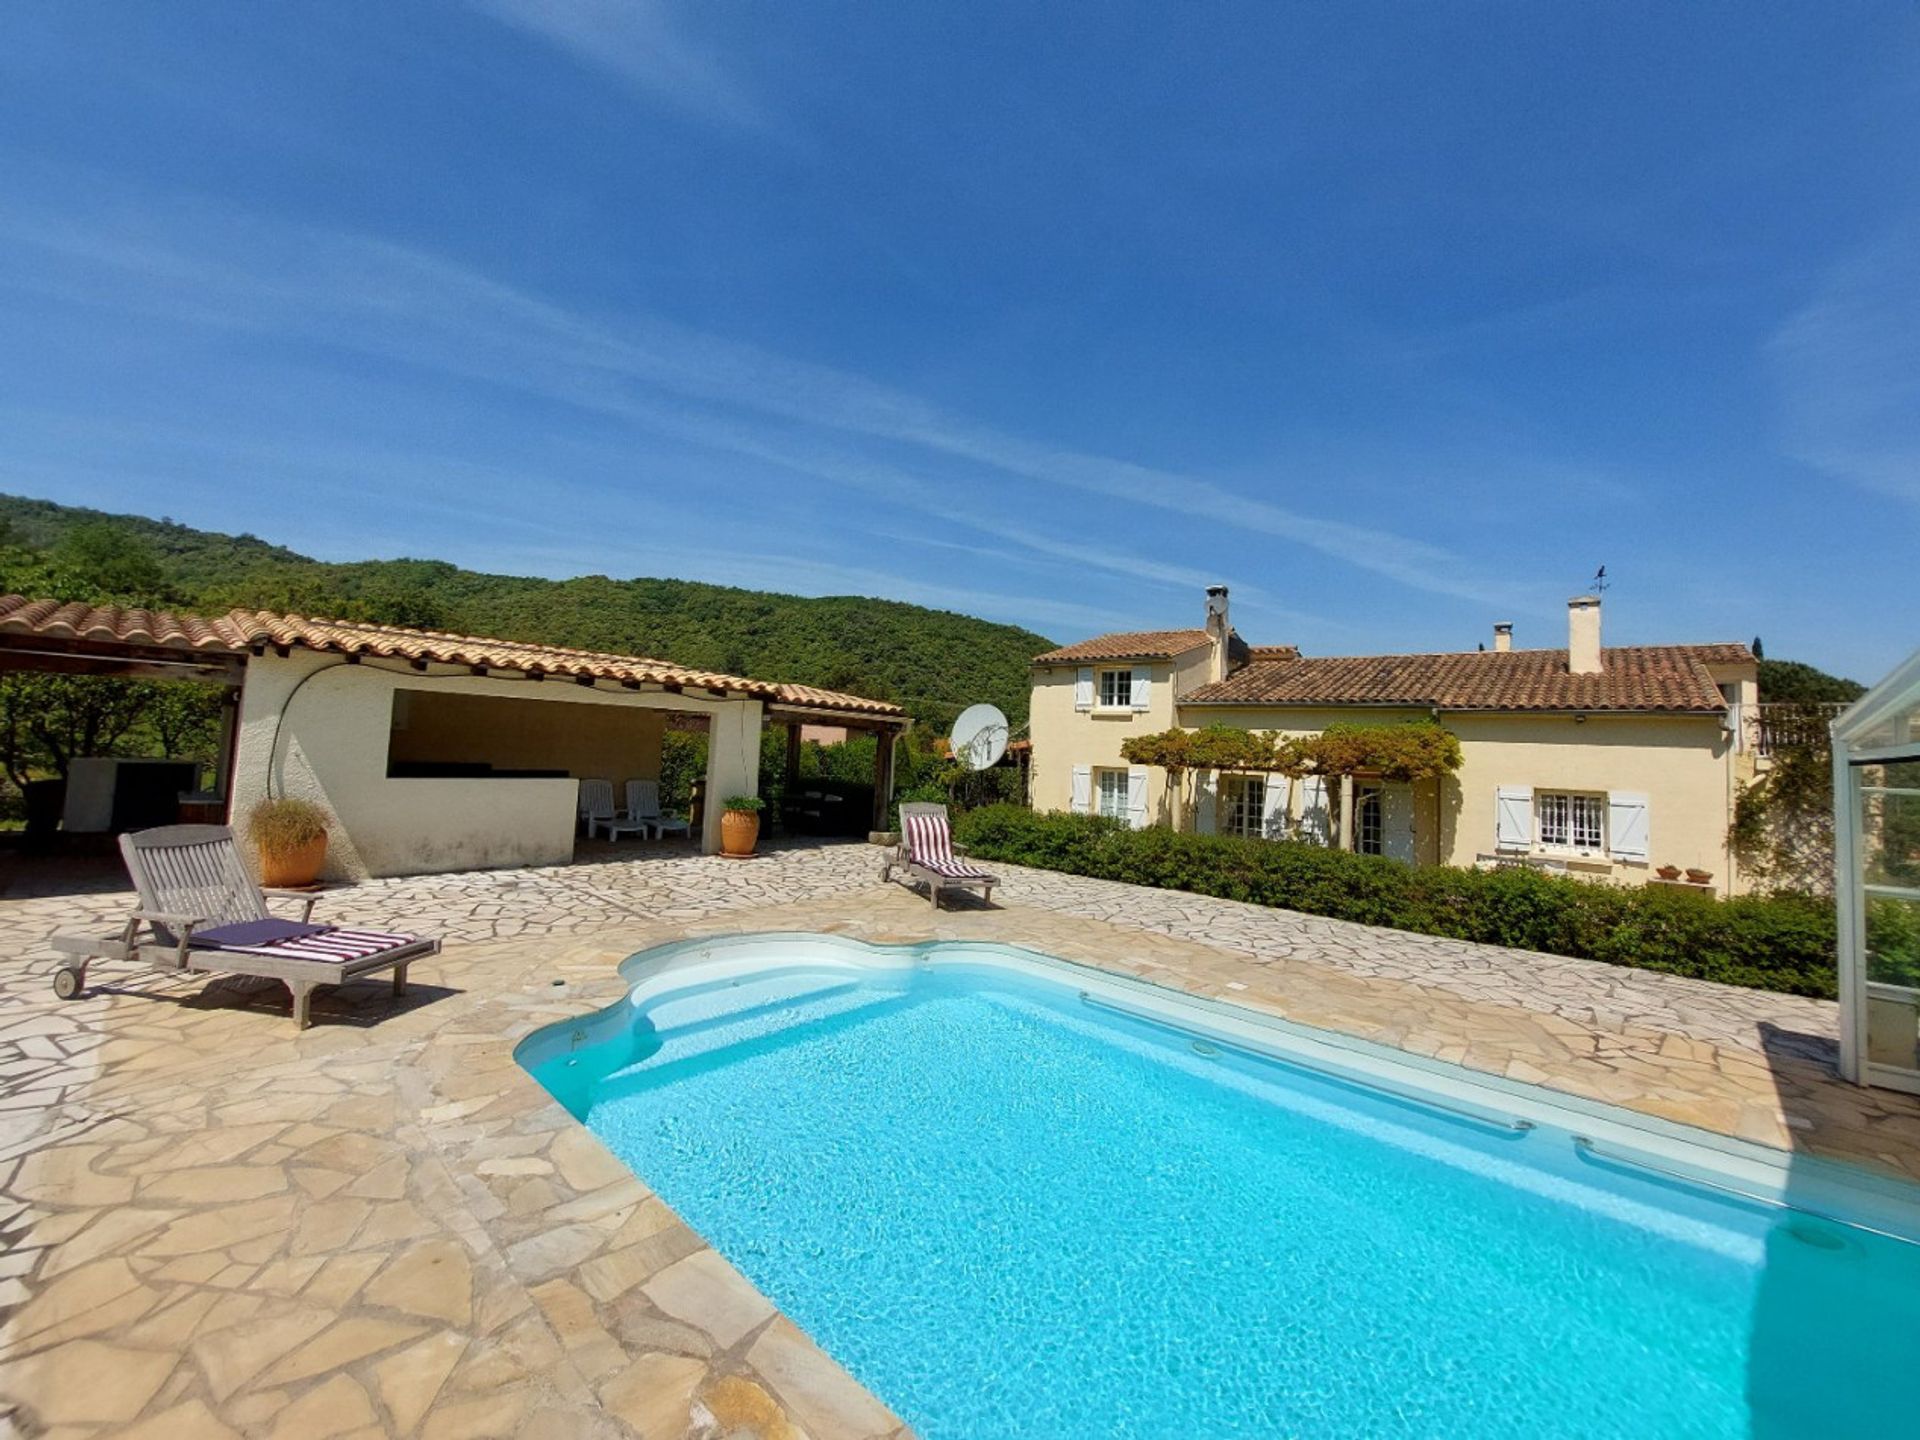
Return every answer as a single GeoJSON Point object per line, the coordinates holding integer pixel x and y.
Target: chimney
{"type": "Point", "coordinates": [1218, 629]}
{"type": "Point", "coordinates": [1502, 636]}
{"type": "Point", "coordinates": [1583, 635]}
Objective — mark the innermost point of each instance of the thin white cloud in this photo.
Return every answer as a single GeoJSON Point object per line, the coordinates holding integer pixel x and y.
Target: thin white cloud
{"type": "Point", "coordinates": [820, 577]}
{"type": "Point", "coordinates": [1848, 369]}
{"type": "Point", "coordinates": [375, 297]}
{"type": "Point", "coordinates": [639, 43]}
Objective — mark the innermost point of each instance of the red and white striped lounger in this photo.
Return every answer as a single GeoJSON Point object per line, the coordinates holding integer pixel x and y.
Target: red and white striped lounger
{"type": "Point", "coordinates": [204, 912]}
{"type": "Point", "coordinates": [927, 854]}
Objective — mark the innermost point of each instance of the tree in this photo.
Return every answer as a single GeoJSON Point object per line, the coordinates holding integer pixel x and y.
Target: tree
{"type": "Point", "coordinates": [99, 561]}
{"type": "Point", "coordinates": [49, 721]}
{"type": "Point", "coordinates": [1794, 682]}
{"type": "Point", "coordinates": [184, 716]}
{"type": "Point", "coordinates": [1759, 650]}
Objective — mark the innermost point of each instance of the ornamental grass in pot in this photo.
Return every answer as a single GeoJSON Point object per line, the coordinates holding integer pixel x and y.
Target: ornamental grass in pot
{"type": "Point", "coordinates": [740, 825]}
{"type": "Point", "coordinates": [291, 837]}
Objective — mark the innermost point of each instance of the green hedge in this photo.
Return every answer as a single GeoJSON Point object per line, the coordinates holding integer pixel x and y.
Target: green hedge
{"type": "Point", "coordinates": [1783, 943]}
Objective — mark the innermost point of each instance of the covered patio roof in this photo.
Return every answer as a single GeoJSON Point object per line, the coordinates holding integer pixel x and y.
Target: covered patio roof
{"type": "Point", "coordinates": [75, 638]}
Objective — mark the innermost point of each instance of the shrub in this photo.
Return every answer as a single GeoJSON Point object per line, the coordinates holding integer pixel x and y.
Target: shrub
{"type": "Point", "coordinates": [1777, 942]}
{"type": "Point", "coordinates": [285, 825]}
{"type": "Point", "coordinates": [746, 804]}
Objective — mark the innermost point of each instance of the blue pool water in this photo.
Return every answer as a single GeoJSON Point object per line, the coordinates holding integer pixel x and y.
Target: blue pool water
{"type": "Point", "coordinates": [1012, 1213]}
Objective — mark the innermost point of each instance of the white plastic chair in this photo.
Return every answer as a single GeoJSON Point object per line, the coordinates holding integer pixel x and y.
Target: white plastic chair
{"type": "Point", "coordinates": [643, 807]}
{"type": "Point", "coordinates": [596, 808]}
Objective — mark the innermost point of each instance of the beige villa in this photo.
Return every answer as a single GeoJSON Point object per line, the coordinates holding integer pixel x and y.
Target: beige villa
{"type": "Point", "coordinates": [1601, 762]}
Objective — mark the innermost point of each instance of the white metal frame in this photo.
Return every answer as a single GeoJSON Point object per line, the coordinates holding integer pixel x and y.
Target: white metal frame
{"type": "Point", "coordinates": [1897, 693]}
{"type": "Point", "coordinates": [1572, 803]}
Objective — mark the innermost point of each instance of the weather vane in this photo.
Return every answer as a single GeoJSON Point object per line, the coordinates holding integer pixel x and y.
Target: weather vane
{"type": "Point", "coordinates": [1600, 582]}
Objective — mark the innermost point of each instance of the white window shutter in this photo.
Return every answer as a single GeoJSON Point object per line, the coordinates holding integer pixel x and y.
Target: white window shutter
{"type": "Point", "coordinates": [1513, 817]}
{"type": "Point", "coordinates": [1627, 835]}
{"type": "Point", "coordinates": [1396, 822]}
{"type": "Point", "coordinates": [1206, 802]}
{"type": "Point", "coordinates": [1083, 689]}
{"type": "Point", "coordinates": [1316, 820]}
{"type": "Point", "coordinates": [1083, 789]}
{"type": "Point", "coordinates": [1273, 813]}
{"type": "Point", "coordinates": [1137, 797]}
{"type": "Point", "coordinates": [1143, 687]}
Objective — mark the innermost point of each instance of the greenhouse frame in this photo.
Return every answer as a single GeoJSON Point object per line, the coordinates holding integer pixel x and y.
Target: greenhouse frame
{"type": "Point", "coordinates": [1876, 831]}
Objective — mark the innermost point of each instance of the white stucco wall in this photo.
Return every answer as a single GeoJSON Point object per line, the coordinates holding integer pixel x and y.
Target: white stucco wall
{"type": "Point", "coordinates": [315, 727]}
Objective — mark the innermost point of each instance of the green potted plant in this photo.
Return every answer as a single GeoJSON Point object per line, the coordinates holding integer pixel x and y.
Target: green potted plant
{"type": "Point", "coordinates": [740, 825]}
{"type": "Point", "coordinates": [290, 835]}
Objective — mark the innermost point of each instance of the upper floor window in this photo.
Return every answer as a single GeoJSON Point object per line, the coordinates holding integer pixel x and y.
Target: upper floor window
{"type": "Point", "coordinates": [1116, 689]}
{"type": "Point", "coordinates": [1568, 820]}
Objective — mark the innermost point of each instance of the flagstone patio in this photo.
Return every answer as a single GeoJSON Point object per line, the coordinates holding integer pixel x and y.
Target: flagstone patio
{"type": "Point", "coordinates": [215, 1225]}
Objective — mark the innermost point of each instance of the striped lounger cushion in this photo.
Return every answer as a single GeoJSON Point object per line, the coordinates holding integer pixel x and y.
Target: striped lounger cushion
{"type": "Point", "coordinates": [292, 940]}
{"type": "Point", "coordinates": [931, 845]}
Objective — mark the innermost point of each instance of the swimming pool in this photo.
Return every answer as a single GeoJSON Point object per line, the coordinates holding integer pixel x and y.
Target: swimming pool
{"type": "Point", "coordinates": [1018, 1197]}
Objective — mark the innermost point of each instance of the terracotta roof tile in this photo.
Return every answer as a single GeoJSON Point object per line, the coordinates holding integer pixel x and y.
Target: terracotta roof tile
{"type": "Point", "coordinates": [240, 631]}
{"type": "Point", "coordinates": [113, 624]}
{"type": "Point", "coordinates": [1643, 677]}
{"type": "Point", "coordinates": [1128, 645]}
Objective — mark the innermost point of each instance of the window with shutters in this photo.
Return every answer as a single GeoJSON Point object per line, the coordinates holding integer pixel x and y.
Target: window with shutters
{"type": "Point", "coordinates": [1243, 801]}
{"type": "Point", "coordinates": [1570, 820]}
{"type": "Point", "coordinates": [1111, 795]}
{"type": "Point", "coordinates": [1116, 689]}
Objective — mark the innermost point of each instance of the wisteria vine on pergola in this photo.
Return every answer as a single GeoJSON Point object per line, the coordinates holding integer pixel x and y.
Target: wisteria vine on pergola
{"type": "Point", "coordinates": [1396, 750]}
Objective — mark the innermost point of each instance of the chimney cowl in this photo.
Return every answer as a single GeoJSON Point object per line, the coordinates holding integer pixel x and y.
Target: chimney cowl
{"type": "Point", "coordinates": [1219, 633]}
{"type": "Point", "coordinates": [1502, 636]}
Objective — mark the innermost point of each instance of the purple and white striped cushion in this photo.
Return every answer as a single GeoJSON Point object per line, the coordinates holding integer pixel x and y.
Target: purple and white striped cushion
{"type": "Point", "coordinates": [930, 843]}
{"type": "Point", "coordinates": [291, 940]}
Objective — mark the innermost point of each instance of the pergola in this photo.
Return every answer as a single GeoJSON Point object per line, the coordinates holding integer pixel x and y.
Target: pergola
{"type": "Point", "coordinates": [330, 738]}
{"type": "Point", "coordinates": [1876, 827]}
{"type": "Point", "coordinates": [53, 638]}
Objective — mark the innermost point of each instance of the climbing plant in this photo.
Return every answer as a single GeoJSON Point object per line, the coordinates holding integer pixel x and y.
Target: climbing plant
{"type": "Point", "coordinates": [1782, 831]}
{"type": "Point", "coordinates": [1410, 750]}
{"type": "Point", "coordinates": [1181, 753]}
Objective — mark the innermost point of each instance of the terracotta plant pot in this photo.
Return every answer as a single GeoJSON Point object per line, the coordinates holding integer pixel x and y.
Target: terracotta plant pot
{"type": "Point", "coordinates": [1668, 872]}
{"type": "Point", "coordinates": [1700, 877]}
{"type": "Point", "coordinates": [290, 869]}
{"type": "Point", "coordinates": [739, 833]}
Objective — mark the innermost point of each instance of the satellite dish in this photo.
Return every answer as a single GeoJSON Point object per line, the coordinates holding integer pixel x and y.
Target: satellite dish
{"type": "Point", "coordinates": [979, 736]}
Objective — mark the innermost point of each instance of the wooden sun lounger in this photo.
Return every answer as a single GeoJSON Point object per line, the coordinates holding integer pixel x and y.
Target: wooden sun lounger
{"type": "Point", "coordinates": [203, 912]}
{"type": "Point", "coordinates": [929, 856]}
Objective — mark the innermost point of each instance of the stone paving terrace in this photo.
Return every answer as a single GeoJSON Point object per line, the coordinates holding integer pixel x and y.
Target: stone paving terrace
{"type": "Point", "coordinates": [214, 1225]}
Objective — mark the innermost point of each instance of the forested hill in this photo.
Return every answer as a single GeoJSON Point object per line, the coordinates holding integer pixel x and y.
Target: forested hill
{"type": "Point", "coordinates": [934, 662]}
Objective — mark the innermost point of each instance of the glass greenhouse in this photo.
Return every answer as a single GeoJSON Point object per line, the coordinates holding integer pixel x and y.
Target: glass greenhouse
{"type": "Point", "coordinates": [1876, 827]}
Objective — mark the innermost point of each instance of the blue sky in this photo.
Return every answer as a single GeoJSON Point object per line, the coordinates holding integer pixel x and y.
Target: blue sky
{"type": "Point", "coordinates": [1398, 319]}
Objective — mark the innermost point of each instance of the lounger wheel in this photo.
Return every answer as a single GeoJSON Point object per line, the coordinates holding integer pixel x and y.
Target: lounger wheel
{"type": "Point", "coordinates": [68, 981]}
